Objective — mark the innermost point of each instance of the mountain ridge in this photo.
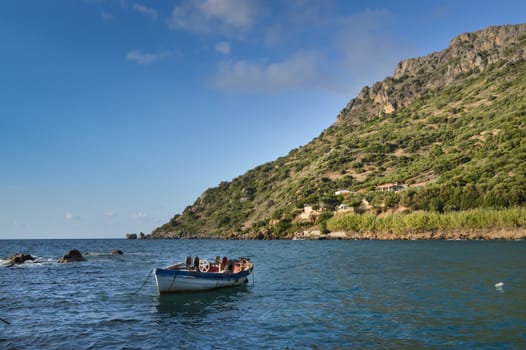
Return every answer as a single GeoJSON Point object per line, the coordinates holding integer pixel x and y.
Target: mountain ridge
{"type": "Point", "coordinates": [467, 54]}
{"type": "Point", "coordinates": [435, 126]}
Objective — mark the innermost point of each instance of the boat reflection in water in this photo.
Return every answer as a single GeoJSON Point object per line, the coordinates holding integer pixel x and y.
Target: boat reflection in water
{"type": "Point", "coordinates": [201, 303]}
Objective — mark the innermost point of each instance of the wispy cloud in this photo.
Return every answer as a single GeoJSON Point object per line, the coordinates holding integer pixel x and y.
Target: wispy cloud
{"type": "Point", "coordinates": [147, 58]}
{"type": "Point", "coordinates": [298, 20]}
{"type": "Point", "coordinates": [369, 50]}
{"type": "Point", "coordinates": [297, 71]}
{"type": "Point", "coordinates": [349, 51]}
{"type": "Point", "coordinates": [212, 16]}
{"type": "Point", "coordinates": [145, 10]}
{"type": "Point", "coordinates": [110, 214]}
{"type": "Point", "coordinates": [223, 47]}
{"type": "Point", "coordinates": [70, 217]}
{"type": "Point", "coordinates": [140, 216]}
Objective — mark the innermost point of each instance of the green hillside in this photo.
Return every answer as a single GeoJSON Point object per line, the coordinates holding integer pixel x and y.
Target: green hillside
{"type": "Point", "coordinates": [449, 128]}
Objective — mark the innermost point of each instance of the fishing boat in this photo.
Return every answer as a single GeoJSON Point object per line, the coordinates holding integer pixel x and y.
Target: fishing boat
{"type": "Point", "coordinates": [202, 275]}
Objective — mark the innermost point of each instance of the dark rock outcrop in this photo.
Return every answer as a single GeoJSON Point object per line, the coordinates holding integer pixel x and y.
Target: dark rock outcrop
{"type": "Point", "coordinates": [19, 258]}
{"type": "Point", "coordinates": [72, 256]}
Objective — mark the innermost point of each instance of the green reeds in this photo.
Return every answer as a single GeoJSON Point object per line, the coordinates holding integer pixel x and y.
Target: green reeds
{"type": "Point", "coordinates": [422, 221]}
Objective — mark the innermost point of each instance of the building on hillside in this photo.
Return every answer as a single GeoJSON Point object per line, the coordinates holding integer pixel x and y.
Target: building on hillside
{"type": "Point", "coordinates": [344, 207]}
{"type": "Point", "coordinates": [342, 192]}
{"type": "Point", "coordinates": [391, 187]}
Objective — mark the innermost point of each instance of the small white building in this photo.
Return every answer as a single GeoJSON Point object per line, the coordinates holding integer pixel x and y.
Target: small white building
{"type": "Point", "coordinates": [342, 192]}
{"type": "Point", "coordinates": [391, 187]}
{"type": "Point", "coordinates": [344, 207]}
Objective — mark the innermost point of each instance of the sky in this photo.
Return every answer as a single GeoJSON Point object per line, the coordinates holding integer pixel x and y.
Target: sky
{"type": "Point", "coordinates": [117, 114]}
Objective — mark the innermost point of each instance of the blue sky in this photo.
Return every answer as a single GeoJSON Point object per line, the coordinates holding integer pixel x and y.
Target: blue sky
{"type": "Point", "coordinates": [116, 115]}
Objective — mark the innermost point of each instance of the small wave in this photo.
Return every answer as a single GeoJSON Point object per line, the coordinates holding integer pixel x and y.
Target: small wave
{"type": "Point", "coordinates": [39, 261]}
{"type": "Point", "coordinates": [97, 254]}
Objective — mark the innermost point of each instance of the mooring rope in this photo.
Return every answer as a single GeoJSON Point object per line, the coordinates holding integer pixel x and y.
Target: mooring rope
{"type": "Point", "coordinates": [173, 281]}
{"type": "Point", "coordinates": [149, 274]}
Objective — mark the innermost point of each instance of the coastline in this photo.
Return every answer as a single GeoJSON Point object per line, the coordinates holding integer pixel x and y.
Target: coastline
{"type": "Point", "coordinates": [511, 234]}
{"type": "Point", "coordinates": [504, 234]}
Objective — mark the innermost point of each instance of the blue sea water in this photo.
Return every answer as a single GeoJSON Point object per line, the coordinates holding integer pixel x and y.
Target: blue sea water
{"type": "Point", "coordinates": [304, 295]}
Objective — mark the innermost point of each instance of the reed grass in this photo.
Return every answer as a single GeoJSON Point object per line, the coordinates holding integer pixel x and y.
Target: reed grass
{"type": "Point", "coordinates": [421, 221]}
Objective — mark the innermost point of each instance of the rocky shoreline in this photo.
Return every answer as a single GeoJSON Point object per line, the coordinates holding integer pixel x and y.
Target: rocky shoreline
{"type": "Point", "coordinates": [501, 234]}
{"type": "Point", "coordinates": [509, 234]}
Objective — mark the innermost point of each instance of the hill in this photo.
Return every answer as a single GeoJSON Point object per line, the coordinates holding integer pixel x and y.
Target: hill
{"type": "Point", "coordinates": [446, 133]}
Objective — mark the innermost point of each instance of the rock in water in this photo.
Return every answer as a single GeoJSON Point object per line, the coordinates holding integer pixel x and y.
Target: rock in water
{"type": "Point", "coordinates": [19, 258]}
{"type": "Point", "coordinates": [116, 252]}
{"type": "Point", "coordinates": [71, 256]}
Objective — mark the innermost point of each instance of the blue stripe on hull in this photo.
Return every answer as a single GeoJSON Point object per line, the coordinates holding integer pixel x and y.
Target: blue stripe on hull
{"type": "Point", "coordinates": [182, 280]}
{"type": "Point", "coordinates": [202, 275]}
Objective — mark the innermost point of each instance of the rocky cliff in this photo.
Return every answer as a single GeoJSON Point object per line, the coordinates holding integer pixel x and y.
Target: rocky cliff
{"type": "Point", "coordinates": [468, 54]}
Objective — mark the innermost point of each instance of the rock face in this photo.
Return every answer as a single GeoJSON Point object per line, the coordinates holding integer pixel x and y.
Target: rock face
{"type": "Point", "coordinates": [19, 258]}
{"type": "Point", "coordinates": [467, 55]}
{"type": "Point", "coordinates": [72, 256]}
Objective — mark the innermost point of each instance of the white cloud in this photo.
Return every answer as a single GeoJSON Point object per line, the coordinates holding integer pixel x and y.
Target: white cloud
{"type": "Point", "coordinates": [347, 51]}
{"type": "Point", "coordinates": [210, 16]}
{"type": "Point", "coordinates": [146, 58]}
{"type": "Point", "coordinates": [145, 10]}
{"type": "Point", "coordinates": [223, 47]}
{"type": "Point", "coordinates": [110, 214]}
{"type": "Point", "coordinates": [300, 70]}
{"type": "Point", "coordinates": [70, 217]}
{"type": "Point", "coordinates": [140, 216]}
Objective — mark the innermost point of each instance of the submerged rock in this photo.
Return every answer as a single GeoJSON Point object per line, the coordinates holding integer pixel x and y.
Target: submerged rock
{"type": "Point", "coordinates": [19, 258]}
{"type": "Point", "coordinates": [72, 256]}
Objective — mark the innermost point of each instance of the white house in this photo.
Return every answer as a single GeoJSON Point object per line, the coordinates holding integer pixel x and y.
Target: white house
{"type": "Point", "coordinates": [342, 192]}
{"type": "Point", "coordinates": [391, 187]}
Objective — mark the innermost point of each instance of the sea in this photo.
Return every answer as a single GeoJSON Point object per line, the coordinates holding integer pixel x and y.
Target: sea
{"type": "Point", "coordinates": [302, 295]}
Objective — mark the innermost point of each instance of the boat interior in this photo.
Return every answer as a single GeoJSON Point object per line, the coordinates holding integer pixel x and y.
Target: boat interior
{"type": "Point", "coordinates": [218, 265]}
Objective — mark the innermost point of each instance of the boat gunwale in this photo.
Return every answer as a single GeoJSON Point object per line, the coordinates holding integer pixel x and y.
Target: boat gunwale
{"type": "Point", "coordinates": [203, 275]}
